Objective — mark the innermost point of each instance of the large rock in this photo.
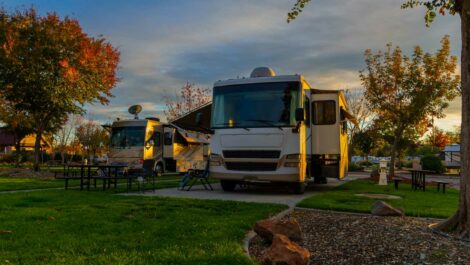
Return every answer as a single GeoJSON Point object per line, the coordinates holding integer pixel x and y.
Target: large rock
{"type": "Point", "coordinates": [268, 228]}
{"type": "Point", "coordinates": [381, 208]}
{"type": "Point", "coordinates": [283, 251]}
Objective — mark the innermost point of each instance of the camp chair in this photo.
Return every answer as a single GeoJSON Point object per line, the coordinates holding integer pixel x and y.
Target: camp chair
{"type": "Point", "coordinates": [193, 176]}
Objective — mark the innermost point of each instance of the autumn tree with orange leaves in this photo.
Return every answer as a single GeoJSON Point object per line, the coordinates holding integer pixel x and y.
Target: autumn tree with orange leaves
{"type": "Point", "coordinates": [50, 68]}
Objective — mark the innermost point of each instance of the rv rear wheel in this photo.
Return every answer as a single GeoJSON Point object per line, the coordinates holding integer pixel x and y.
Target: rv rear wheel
{"type": "Point", "coordinates": [298, 187]}
{"type": "Point", "coordinates": [228, 185]}
{"type": "Point", "coordinates": [158, 169]}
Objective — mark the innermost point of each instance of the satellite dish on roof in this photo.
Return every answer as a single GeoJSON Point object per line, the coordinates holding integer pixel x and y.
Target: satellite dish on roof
{"type": "Point", "coordinates": [135, 110]}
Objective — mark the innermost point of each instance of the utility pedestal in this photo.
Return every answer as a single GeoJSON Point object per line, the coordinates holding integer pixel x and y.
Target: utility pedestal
{"type": "Point", "coordinates": [383, 173]}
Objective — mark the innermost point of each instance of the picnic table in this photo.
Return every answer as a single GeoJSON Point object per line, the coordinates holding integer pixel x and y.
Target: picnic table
{"type": "Point", "coordinates": [88, 172]}
{"type": "Point", "coordinates": [418, 179]}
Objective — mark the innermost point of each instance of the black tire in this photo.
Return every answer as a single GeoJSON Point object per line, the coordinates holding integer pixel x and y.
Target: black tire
{"type": "Point", "coordinates": [158, 169]}
{"type": "Point", "coordinates": [298, 187]}
{"type": "Point", "coordinates": [228, 185]}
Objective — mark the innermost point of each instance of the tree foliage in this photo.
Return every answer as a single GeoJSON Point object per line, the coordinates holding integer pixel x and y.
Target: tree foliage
{"type": "Point", "coordinates": [92, 137]}
{"type": "Point", "coordinates": [191, 98]}
{"type": "Point", "coordinates": [404, 91]}
{"type": "Point", "coordinates": [434, 7]}
{"type": "Point", "coordinates": [50, 68]}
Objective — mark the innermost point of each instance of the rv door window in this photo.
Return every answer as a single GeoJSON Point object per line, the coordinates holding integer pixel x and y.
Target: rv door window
{"type": "Point", "coordinates": [307, 110]}
{"type": "Point", "coordinates": [156, 138]}
{"type": "Point", "coordinates": [168, 138]}
{"type": "Point", "coordinates": [324, 112]}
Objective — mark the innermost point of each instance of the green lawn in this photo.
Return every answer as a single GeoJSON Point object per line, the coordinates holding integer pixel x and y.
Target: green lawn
{"type": "Point", "coordinates": [416, 203]}
{"type": "Point", "coordinates": [8, 183]}
{"type": "Point", "coordinates": [73, 227]}
{"type": "Point", "coordinates": [13, 183]}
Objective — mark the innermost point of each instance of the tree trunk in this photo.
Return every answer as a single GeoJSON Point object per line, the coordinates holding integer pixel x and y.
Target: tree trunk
{"type": "Point", "coordinates": [464, 204]}
{"type": "Point", "coordinates": [391, 170]}
{"type": "Point", "coordinates": [461, 220]}
{"type": "Point", "coordinates": [37, 150]}
{"type": "Point", "coordinates": [17, 151]}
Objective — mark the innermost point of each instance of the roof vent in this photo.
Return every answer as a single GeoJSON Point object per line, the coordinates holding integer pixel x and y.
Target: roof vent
{"type": "Point", "coordinates": [262, 72]}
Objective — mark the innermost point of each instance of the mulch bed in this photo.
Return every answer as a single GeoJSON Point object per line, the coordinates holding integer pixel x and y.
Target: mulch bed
{"type": "Point", "coordinates": [344, 238]}
{"type": "Point", "coordinates": [26, 173]}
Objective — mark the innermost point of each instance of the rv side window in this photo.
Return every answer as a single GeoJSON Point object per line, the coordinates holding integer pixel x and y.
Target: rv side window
{"type": "Point", "coordinates": [168, 138]}
{"type": "Point", "coordinates": [324, 112]}
{"type": "Point", "coordinates": [156, 138]}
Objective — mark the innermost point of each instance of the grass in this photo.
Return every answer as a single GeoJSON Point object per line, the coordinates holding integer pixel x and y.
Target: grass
{"type": "Point", "coordinates": [72, 227]}
{"type": "Point", "coordinates": [10, 183]}
{"type": "Point", "coordinates": [31, 183]}
{"type": "Point", "coordinates": [416, 203]}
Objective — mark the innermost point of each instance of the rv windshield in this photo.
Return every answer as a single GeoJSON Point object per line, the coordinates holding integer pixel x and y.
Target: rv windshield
{"type": "Point", "coordinates": [255, 105]}
{"type": "Point", "coordinates": [123, 137]}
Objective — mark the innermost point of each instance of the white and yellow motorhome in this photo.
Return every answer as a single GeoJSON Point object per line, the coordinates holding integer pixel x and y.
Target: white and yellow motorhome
{"type": "Point", "coordinates": [270, 128]}
{"type": "Point", "coordinates": [153, 145]}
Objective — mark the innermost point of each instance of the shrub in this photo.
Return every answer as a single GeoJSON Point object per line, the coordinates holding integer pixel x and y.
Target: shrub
{"type": "Point", "coordinates": [432, 163]}
{"type": "Point", "coordinates": [355, 167]}
{"type": "Point", "coordinates": [10, 158]}
{"type": "Point", "coordinates": [365, 163]}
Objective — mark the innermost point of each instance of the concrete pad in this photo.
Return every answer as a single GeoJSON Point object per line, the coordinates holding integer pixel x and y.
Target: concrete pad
{"type": "Point", "coordinates": [260, 194]}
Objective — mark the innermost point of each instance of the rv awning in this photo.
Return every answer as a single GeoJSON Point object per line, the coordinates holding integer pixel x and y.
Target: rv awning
{"type": "Point", "coordinates": [194, 137]}
{"type": "Point", "coordinates": [187, 121]}
{"type": "Point", "coordinates": [349, 116]}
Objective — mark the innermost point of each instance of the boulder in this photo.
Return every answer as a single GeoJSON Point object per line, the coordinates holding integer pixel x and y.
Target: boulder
{"type": "Point", "coordinates": [283, 251]}
{"type": "Point", "coordinates": [381, 208]}
{"type": "Point", "coordinates": [266, 229]}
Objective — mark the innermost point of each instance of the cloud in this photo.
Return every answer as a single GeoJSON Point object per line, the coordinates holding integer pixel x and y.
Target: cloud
{"type": "Point", "coordinates": [163, 44]}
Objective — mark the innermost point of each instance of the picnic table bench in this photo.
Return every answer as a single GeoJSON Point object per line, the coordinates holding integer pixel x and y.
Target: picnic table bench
{"type": "Point", "coordinates": [443, 184]}
{"type": "Point", "coordinates": [418, 179]}
{"type": "Point", "coordinates": [109, 174]}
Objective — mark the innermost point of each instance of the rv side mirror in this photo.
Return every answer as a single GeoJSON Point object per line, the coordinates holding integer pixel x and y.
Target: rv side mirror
{"type": "Point", "coordinates": [299, 114]}
{"type": "Point", "coordinates": [199, 118]}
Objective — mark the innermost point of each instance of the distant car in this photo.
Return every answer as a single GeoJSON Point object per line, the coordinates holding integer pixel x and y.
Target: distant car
{"type": "Point", "coordinates": [101, 159]}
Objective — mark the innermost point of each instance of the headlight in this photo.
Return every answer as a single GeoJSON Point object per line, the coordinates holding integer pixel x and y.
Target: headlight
{"type": "Point", "coordinates": [214, 160]}
{"type": "Point", "coordinates": [291, 164]}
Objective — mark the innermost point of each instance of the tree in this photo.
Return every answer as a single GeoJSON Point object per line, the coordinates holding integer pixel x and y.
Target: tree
{"type": "Point", "coordinates": [64, 136]}
{"type": "Point", "coordinates": [357, 105]}
{"type": "Point", "coordinates": [454, 135]}
{"type": "Point", "coordinates": [92, 137]}
{"type": "Point", "coordinates": [404, 91]}
{"type": "Point", "coordinates": [438, 138]}
{"type": "Point", "coordinates": [17, 123]}
{"type": "Point", "coordinates": [50, 68]}
{"type": "Point", "coordinates": [461, 220]}
{"type": "Point", "coordinates": [191, 98]}
{"type": "Point", "coordinates": [364, 141]}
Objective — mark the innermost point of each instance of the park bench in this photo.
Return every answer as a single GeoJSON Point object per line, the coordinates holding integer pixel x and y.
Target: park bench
{"type": "Point", "coordinates": [68, 174]}
{"type": "Point", "coordinates": [397, 181]}
{"type": "Point", "coordinates": [443, 184]}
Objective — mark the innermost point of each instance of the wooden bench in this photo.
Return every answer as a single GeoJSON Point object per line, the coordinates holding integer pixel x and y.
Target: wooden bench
{"type": "Point", "coordinates": [443, 183]}
{"type": "Point", "coordinates": [397, 181]}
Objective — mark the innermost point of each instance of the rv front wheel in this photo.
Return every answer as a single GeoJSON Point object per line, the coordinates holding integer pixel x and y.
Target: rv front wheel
{"type": "Point", "coordinates": [228, 185]}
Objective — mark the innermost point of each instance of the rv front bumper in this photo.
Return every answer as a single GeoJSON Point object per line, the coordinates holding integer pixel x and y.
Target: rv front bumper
{"type": "Point", "coordinates": [282, 174]}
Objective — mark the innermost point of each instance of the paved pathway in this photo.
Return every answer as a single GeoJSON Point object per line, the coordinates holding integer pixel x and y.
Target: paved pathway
{"type": "Point", "coordinates": [250, 194]}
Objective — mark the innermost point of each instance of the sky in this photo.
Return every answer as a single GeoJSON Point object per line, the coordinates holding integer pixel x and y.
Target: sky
{"type": "Point", "coordinates": [164, 44]}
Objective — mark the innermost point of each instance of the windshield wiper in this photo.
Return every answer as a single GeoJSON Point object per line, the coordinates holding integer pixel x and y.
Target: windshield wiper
{"type": "Point", "coordinates": [231, 124]}
{"type": "Point", "coordinates": [267, 122]}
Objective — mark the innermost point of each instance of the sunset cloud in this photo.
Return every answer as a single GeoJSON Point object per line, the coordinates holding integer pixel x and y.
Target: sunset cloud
{"type": "Point", "coordinates": [164, 44]}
